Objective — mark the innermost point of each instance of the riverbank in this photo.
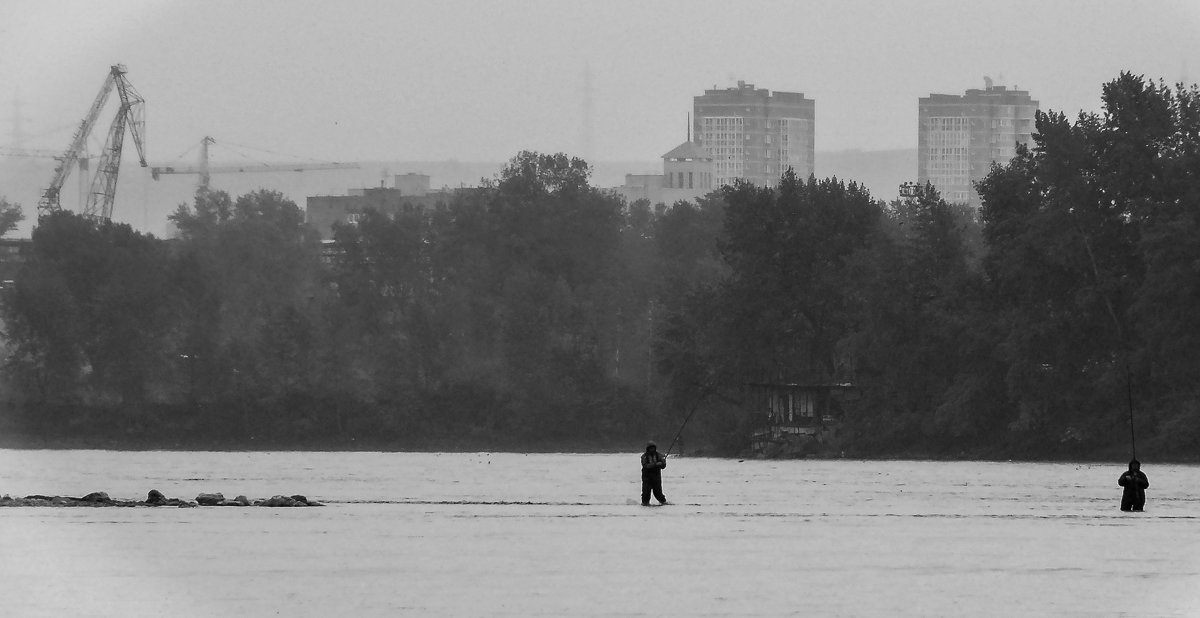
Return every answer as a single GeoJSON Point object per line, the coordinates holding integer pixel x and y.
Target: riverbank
{"type": "Point", "coordinates": [92, 431]}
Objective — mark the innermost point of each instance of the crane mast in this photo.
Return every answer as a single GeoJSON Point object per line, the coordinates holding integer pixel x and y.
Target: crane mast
{"type": "Point", "coordinates": [129, 114]}
{"type": "Point", "coordinates": [205, 170]}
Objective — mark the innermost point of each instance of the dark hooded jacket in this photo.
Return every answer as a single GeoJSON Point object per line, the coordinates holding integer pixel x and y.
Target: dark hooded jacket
{"type": "Point", "coordinates": [652, 462]}
{"type": "Point", "coordinates": [1135, 483]}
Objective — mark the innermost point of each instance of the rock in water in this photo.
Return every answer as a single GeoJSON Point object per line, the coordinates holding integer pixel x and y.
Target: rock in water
{"type": "Point", "coordinates": [278, 501]}
{"type": "Point", "coordinates": [154, 498]}
{"type": "Point", "coordinates": [210, 499]}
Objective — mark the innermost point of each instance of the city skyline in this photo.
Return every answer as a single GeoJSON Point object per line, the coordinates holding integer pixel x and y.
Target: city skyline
{"type": "Point", "coordinates": [480, 81]}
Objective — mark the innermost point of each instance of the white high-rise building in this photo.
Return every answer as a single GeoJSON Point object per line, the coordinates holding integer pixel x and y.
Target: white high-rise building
{"type": "Point", "coordinates": [959, 136]}
{"type": "Point", "coordinates": [754, 134]}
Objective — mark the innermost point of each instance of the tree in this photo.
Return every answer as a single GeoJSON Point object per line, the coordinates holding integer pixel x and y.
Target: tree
{"type": "Point", "coordinates": [776, 300]}
{"type": "Point", "coordinates": [1102, 211]}
{"type": "Point", "coordinates": [788, 294]}
{"type": "Point", "coordinates": [250, 294]}
{"type": "Point", "coordinates": [386, 297]}
{"type": "Point", "coordinates": [10, 215]}
{"type": "Point", "coordinates": [89, 311]}
{"type": "Point", "coordinates": [921, 341]}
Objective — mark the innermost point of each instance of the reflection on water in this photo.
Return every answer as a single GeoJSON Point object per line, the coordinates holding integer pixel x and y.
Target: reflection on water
{"type": "Point", "coordinates": [562, 534]}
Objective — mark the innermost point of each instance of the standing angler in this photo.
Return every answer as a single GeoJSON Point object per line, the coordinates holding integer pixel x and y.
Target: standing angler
{"type": "Point", "coordinates": [652, 465]}
{"type": "Point", "coordinates": [1135, 483]}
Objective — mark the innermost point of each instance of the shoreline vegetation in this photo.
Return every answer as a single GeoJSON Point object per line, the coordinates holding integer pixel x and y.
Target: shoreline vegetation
{"type": "Point", "coordinates": [22, 441]}
{"type": "Point", "coordinates": [539, 313]}
{"type": "Point", "coordinates": [1114, 458]}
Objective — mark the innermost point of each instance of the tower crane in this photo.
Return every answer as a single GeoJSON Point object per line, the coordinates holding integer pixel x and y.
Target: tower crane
{"type": "Point", "coordinates": [205, 169]}
{"type": "Point", "coordinates": [6, 151]}
{"type": "Point", "coordinates": [131, 114]}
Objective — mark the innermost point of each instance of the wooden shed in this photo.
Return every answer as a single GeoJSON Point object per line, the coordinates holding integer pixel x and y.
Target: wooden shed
{"type": "Point", "coordinates": [793, 418]}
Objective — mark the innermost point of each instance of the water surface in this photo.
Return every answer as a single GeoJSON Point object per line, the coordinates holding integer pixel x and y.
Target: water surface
{"type": "Point", "coordinates": [491, 534]}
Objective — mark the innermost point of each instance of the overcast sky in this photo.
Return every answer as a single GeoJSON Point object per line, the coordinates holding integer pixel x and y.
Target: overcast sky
{"type": "Point", "coordinates": [481, 80]}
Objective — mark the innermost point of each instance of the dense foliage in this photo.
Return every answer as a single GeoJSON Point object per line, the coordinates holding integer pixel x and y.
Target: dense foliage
{"type": "Point", "coordinates": [1093, 269]}
{"type": "Point", "coordinates": [539, 312]}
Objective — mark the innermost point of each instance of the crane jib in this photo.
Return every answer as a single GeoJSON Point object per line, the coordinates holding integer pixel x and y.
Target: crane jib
{"type": "Point", "coordinates": [130, 114]}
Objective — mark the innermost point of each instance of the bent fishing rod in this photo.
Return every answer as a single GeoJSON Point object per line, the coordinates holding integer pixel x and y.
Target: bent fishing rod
{"type": "Point", "coordinates": [1126, 347]}
{"type": "Point", "coordinates": [695, 406]}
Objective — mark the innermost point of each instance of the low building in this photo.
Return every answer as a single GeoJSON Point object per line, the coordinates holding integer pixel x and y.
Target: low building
{"type": "Point", "coordinates": [796, 419]}
{"type": "Point", "coordinates": [687, 175]}
{"type": "Point", "coordinates": [410, 193]}
{"type": "Point", "coordinates": [13, 253]}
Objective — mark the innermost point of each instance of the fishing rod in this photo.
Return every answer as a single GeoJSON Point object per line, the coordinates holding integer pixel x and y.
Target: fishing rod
{"type": "Point", "coordinates": [695, 406]}
{"type": "Point", "coordinates": [1126, 348]}
{"type": "Point", "coordinates": [1129, 396]}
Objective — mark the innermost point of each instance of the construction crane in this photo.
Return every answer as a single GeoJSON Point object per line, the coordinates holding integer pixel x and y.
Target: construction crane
{"type": "Point", "coordinates": [29, 152]}
{"type": "Point", "coordinates": [131, 114]}
{"type": "Point", "coordinates": [205, 169]}
{"type": "Point", "coordinates": [83, 161]}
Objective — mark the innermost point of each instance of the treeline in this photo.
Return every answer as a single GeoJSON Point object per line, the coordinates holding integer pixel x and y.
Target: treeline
{"type": "Point", "coordinates": [517, 316]}
{"type": "Point", "coordinates": [538, 312]}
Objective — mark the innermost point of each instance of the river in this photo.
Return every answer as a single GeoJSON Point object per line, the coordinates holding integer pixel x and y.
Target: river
{"type": "Point", "coordinates": [496, 534]}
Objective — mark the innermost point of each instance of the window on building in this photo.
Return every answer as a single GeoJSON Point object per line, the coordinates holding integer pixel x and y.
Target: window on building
{"type": "Point", "coordinates": [689, 180]}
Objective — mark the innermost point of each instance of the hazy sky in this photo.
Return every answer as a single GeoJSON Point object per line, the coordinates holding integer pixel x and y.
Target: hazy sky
{"type": "Point", "coordinates": [480, 80]}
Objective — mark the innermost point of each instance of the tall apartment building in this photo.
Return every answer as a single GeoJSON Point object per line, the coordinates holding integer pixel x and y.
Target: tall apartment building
{"type": "Point", "coordinates": [755, 134]}
{"type": "Point", "coordinates": [959, 136]}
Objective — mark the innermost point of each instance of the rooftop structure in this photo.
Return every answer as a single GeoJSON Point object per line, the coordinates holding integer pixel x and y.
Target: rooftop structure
{"type": "Point", "coordinates": [409, 194]}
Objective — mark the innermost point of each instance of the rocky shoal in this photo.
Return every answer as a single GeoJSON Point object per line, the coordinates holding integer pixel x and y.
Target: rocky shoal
{"type": "Point", "coordinates": [155, 498]}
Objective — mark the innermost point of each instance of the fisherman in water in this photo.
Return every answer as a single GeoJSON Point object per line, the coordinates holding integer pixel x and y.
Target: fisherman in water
{"type": "Point", "coordinates": [652, 465]}
{"type": "Point", "coordinates": [1135, 483]}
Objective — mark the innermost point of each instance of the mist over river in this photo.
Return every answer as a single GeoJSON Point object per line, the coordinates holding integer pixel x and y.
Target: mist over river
{"type": "Point", "coordinates": [502, 534]}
